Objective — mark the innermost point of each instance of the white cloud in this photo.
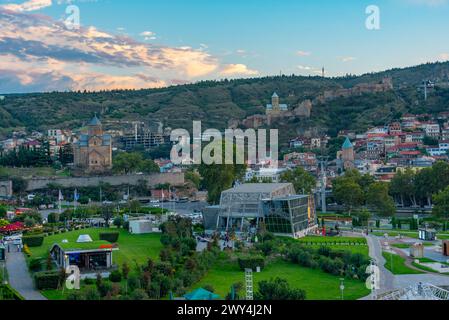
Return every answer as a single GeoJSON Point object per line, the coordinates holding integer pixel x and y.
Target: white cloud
{"type": "Point", "coordinates": [30, 5]}
{"type": "Point", "coordinates": [305, 68]}
{"type": "Point", "coordinates": [238, 69]}
{"type": "Point", "coordinates": [443, 57]}
{"type": "Point", "coordinates": [303, 53]}
{"type": "Point", "coordinates": [148, 35]}
{"type": "Point", "coordinates": [348, 59]}
{"type": "Point", "coordinates": [52, 57]}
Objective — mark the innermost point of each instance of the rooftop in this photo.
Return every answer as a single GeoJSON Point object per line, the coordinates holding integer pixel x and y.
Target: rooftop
{"type": "Point", "coordinates": [257, 187]}
{"type": "Point", "coordinates": [85, 246]}
{"type": "Point", "coordinates": [347, 144]}
{"type": "Point", "coordinates": [95, 121]}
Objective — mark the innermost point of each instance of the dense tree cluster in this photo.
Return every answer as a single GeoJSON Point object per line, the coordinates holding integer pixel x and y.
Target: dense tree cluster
{"type": "Point", "coordinates": [303, 181]}
{"type": "Point", "coordinates": [354, 190]}
{"type": "Point", "coordinates": [411, 188]}
{"type": "Point", "coordinates": [132, 163]}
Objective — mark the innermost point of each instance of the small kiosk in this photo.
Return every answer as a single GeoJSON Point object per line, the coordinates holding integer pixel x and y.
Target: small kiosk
{"type": "Point", "coordinates": [426, 234]}
{"type": "Point", "coordinates": [417, 250]}
{"type": "Point", "coordinates": [2, 253]}
{"type": "Point", "coordinates": [446, 248]}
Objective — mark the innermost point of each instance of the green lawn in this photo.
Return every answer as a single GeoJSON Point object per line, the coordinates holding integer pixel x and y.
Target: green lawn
{"type": "Point", "coordinates": [409, 234]}
{"type": "Point", "coordinates": [396, 264]}
{"type": "Point", "coordinates": [317, 284]}
{"type": "Point", "coordinates": [408, 245]}
{"type": "Point", "coordinates": [132, 248]}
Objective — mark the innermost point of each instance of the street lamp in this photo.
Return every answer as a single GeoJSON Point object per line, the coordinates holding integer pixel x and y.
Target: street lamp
{"type": "Point", "coordinates": [342, 287]}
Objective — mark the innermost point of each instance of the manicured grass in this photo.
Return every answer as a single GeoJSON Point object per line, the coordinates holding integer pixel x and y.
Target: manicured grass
{"type": "Point", "coordinates": [396, 264]}
{"type": "Point", "coordinates": [424, 268]}
{"type": "Point", "coordinates": [409, 234]}
{"type": "Point", "coordinates": [132, 248]}
{"type": "Point", "coordinates": [408, 245]}
{"type": "Point", "coordinates": [317, 284]}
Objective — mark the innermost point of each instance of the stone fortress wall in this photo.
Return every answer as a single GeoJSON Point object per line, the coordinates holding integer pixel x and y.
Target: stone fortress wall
{"type": "Point", "coordinates": [175, 179]}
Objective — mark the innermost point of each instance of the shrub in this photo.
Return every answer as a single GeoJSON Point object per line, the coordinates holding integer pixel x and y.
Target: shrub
{"type": "Point", "coordinates": [27, 251]}
{"type": "Point", "coordinates": [139, 294]}
{"type": "Point", "coordinates": [76, 296]}
{"type": "Point", "coordinates": [115, 276]}
{"type": "Point", "coordinates": [133, 282]}
{"type": "Point", "coordinates": [47, 280]}
{"type": "Point", "coordinates": [104, 288]}
{"type": "Point", "coordinates": [53, 217]}
{"type": "Point", "coordinates": [111, 237]}
{"type": "Point", "coordinates": [33, 241]}
{"type": "Point", "coordinates": [91, 294]}
{"type": "Point", "coordinates": [251, 262]}
{"type": "Point", "coordinates": [35, 265]}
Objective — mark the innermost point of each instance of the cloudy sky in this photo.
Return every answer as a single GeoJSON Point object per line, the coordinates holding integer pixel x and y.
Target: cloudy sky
{"type": "Point", "coordinates": [145, 44]}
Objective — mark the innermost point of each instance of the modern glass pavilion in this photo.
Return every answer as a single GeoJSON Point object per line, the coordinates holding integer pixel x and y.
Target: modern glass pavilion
{"type": "Point", "coordinates": [243, 207]}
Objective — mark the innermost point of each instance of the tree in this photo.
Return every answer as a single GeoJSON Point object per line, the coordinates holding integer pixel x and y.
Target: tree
{"type": "Point", "coordinates": [19, 185]}
{"type": "Point", "coordinates": [135, 206]}
{"type": "Point", "coordinates": [441, 208]}
{"type": "Point", "coordinates": [3, 212]}
{"type": "Point", "coordinates": [107, 212]}
{"type": "Point", "coordinates": [403, 186]}
{"type": "Point", "coordinates": [194, 178]}
{"type": "Point", "coordinates": [278, 289]}
{"type": "Point", "coordinates": [379, 198]}
{"type": "Point", "coordinates": [127, 162]}
{"type": "Point", "coordinates": [363, 217]}
{"type": "Point", "coordinates": [125, 270]}
{"type": "Point", "coordinates": [348, 192]}
{"type": "Point", "coordinates": [149, 166]}
{"type": "Point", "coordinates": [118, 221]}
{"type": "Point", "coordinates": [303, 181]}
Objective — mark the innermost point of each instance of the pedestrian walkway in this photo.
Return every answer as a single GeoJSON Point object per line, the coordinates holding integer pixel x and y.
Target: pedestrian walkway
{"type": "Point", "coordinates": [18, 275]}
{"type": "Point", "coordinates": [390, 282]}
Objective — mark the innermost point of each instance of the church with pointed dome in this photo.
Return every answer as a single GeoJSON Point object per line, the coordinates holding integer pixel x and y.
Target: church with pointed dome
{"type": "Point", "coordinates": [93, 151]}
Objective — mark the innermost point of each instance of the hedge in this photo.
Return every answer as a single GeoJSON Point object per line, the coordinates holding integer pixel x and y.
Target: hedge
{"type": "Point", "coordinates": [47, 280]}
{"type": "Point", "coordinates": [33, 241]}
{"type": "Point", "coordinates": [251, 262]}
{"type": "Point", "coordinates": [111, 237]}
{"type": "Point", "coordinates": [8, 293]}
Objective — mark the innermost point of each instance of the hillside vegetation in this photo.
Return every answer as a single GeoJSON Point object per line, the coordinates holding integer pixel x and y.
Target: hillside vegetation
{"type": "Point", "coordinates": [217, 102]}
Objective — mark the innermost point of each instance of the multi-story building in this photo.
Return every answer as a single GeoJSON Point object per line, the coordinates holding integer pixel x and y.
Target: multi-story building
{"type": "Point", "coordinates": [415, 137]}
{"type": "Point", "coordinates": [395, 127]}
{"type": "Point", "coordinates": [375, 150]}
{"type": "Point", "coordinates": [445, 134]}
{"type": "Point", "coordinates": [433, 130]}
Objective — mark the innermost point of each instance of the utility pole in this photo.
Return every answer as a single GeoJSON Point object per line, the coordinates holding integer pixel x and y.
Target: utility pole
{"type": "Point", "coordinates": [323, 160]}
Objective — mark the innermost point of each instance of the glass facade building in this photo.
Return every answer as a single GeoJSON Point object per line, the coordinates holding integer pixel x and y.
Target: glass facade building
{"type": "Point", "coordinates": [288, 215]}
{"type": "Point", "coordinates": [244, 207]}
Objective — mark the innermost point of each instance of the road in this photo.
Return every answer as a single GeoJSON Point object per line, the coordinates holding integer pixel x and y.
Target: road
{"type": "Point", "coordinates": [390, 282]}
{"type": "Point", "coordinates": [19, 277]}
{"type": "Point", "coordinates": [181, 208]}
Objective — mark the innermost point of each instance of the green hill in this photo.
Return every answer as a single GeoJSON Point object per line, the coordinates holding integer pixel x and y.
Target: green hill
{"type": "Point", "coordinates": [217, 102]}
